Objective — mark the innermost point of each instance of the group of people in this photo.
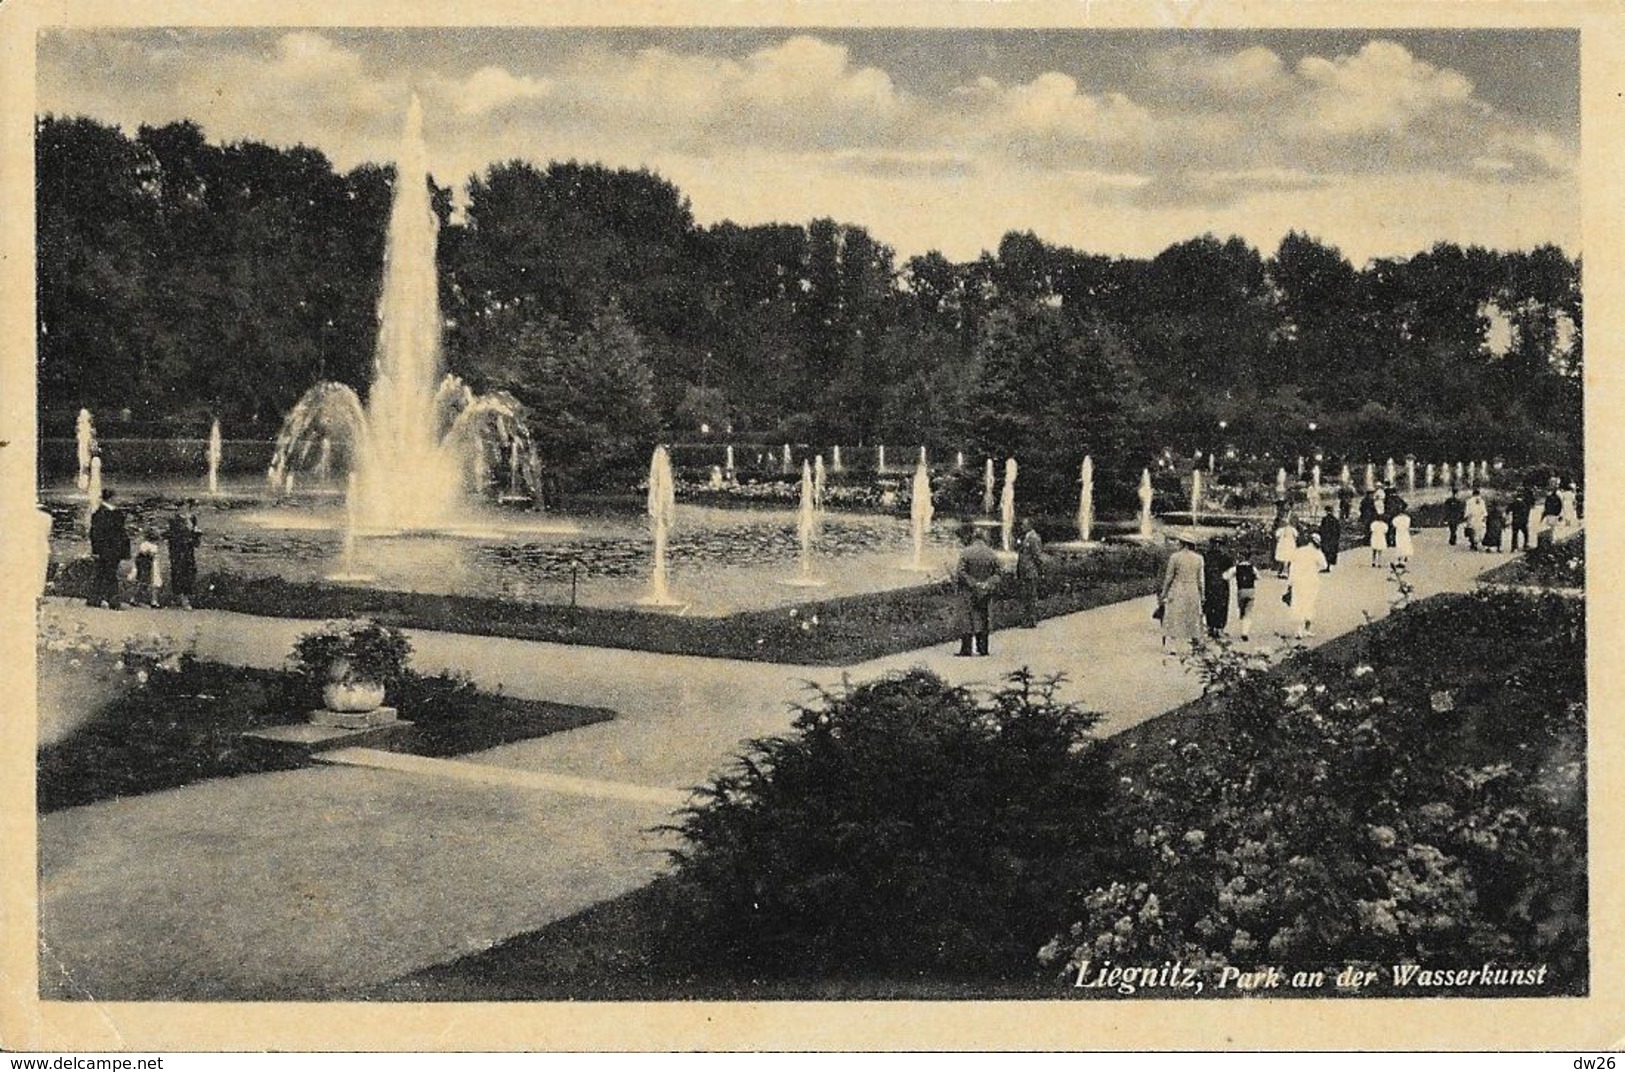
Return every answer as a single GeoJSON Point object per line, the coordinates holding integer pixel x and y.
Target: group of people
{"type": "Point", "coordinates": [979, 577]}
{"type": "Point", "coordinates": [1194, 601]}
{"type": "Point", "coordinates": [111, 546]}
{"type": "Point", "coordinates": [1485, 522]}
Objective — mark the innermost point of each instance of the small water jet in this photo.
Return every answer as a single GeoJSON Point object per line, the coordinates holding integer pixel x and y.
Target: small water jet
{"type": "Point", "coordinates": [1086, 509]}
{"type": "Point", "coordinates": [959, 460]}
{"type": "Point", "coordinates": [785, 467]}
{"type": "Point", "coordinates": [85, 435]}
{"type": "Point", "coordinates": [214, 453]}
{"type": "Point", "coordinates": [806, 532]}
{"type": "Point", "coordinates": [988, 485]}
{"type": "Point", "coordinates": [728, 466]}
{"type": "Point", "coordinates": [1146, 494]}
{"type": "Point", "coordinates": [1389, 473]}
{"type": "Point", "coordinates": [93, 487]}
{"type": "Point", "coordinates": [1344, 477]}
{"type": "Point", "coordinates": [1410, 474]}
{"type": "Point", "coordinates": [835, 458]}
{"type": "Point", "coordinates": [880, 465]}
{"type": "Point", "coordinates": [1370, 477]}
{"type": "Point", "coordinates": [1007, 507]}
{"type": "Point", "coordinates": [347, 572]}
{"type": "Point", "coordinates": [1431, 474]}
{"type": "Point", "coordinates": [920, 513]}
{"type": "Point", "coordinates": [1280, 483]}
{"type": "Point", "coordinates": [662, 507]}
{"type": "Point", "coordinates": [819, 481]}
{"type": "Point", "coordinates": [1196, 497]}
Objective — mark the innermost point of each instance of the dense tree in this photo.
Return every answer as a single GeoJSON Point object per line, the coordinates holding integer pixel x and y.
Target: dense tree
{"type": "Point", "coordinates": [181, 278]}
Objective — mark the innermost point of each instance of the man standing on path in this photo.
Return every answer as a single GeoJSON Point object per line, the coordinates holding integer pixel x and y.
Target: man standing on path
{"type": "Point", "coordinates": [1455, 512]}
{"type": "Point", "coordinates": [1331, 538]}
{"type": "Point", "coordinates": [183, 536]}
{"type": "Point", "coordinates": [110, 545]}
{"type": "Point", "coordinates": [1030, 572]}
{"type": "Point", "coordinates": [975, 577]}
{"type": "Point", "coordinates": [1522, 506]}
{"type": "Point", "coordinates": [1551, 515]}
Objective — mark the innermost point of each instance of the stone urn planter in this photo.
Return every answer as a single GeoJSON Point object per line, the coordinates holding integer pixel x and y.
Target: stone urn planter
{"type": "Point", "coordinates": [348, 694]}
{"type": "Point", "coordinates": [352, 660]}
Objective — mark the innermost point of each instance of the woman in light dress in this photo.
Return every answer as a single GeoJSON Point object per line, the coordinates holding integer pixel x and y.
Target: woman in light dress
{"type": "Point", "coordinates": [1303, 583]}
{"type": "Point", "coordinates": [1379, 539]}
{"type": "Point", "coordinates": [1570, 498]}
{"type": "Point", "coordinates": [1183, 588]}
{"type": "Point", "coordinates": [1403, 545]}
{"type": "Point", "coordinates": [1286, 543]}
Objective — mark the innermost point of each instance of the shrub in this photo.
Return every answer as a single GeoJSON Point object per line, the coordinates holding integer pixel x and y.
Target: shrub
{"type": "Point", "coordinates": [357, 649]}
{"type": "Point", "coordinates": [905, 825]}
{"type": "Point", "coordinates": [1423, 806]}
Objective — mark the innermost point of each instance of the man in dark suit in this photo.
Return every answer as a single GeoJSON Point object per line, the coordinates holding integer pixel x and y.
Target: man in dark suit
{"type": "Point", "coordinates": [109, 545]}
{"type": "Point", "coordinates": [1522, 504]}
{"type": "Point", "coordinates": [976, 578]}
{"type": "Point", "coordinates": [1455, 513]}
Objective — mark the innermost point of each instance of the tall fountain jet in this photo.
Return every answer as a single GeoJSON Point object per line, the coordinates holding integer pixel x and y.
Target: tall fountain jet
{"type": "Point", "coordinates": [1007, 507]}
{"type": "Point", "coordinates": [85, 431]}
{"type": "Point", "coordinates": [920, 512]}
{"type": "Point", "coordinates": [662, 513]}
{"type": "Point", "coordinates": [214, 457]}
{"type": "Point", "coordinates": [988, 484]}
{"type": "Point", "coordinates": [404, 479]}
{"type": "Point", "coordinates": [421, 433]}
{"type": "Point", "coordinates": [1196, 496]}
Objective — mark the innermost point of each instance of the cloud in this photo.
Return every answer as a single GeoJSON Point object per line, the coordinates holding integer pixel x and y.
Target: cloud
{"type": "Point", "coordinates": [488, 89]}
{"type": "Point", "coordinates": [1379, 88]}
{"type": "Point", "coordinates": [799, 127]}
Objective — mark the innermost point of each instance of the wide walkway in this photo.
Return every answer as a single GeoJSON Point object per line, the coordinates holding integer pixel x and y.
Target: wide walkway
{"type": "Point", "coordinates": [302, 883]}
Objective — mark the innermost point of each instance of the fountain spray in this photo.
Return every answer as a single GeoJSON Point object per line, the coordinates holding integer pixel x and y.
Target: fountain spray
{"type": "Point", "coordinates": [920, 512]}
{"type": "Point", "coordinates": [1007, 506]}
{"type": "Point", "coordinates": [85, 433]}
{"type": "Point", "coordinates": [214, 457]}
{"type": "Point", "coordinates": [1086, 498]}
{"type": "Point", "coordinates": [662, 512]}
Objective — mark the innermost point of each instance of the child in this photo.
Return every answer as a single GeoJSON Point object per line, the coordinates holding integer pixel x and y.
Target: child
{"type": "Point", "coordinates": [147, 579]}
{"type": "Point", "coordinates": [1246, 587]}
{"type": "Point", "coordinates": [1379, 539]}
{"type": "Point", "coordinates": [1403, 544]}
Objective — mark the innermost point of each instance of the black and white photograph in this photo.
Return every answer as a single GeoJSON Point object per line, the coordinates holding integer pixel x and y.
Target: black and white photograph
{"type": "Point", "coordinates": [804, 510]}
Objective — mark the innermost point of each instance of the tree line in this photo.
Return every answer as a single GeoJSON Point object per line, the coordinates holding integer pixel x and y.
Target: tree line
{"type": "Point", "coordinates": [181, 279]}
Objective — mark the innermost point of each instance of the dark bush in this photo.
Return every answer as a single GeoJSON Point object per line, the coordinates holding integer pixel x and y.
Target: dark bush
{"type": "Point", "coordinates": [904, 826]}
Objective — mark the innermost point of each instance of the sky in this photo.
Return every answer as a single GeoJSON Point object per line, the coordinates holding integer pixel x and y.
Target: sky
{"type": "Point", "coordinates": [1381, 142]}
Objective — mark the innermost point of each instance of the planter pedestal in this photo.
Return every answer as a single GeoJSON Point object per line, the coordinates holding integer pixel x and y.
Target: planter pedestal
{"type": "Point", "coordinates": [353, 720]}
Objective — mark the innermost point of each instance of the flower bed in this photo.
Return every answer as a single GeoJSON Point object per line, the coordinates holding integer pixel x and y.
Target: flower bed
{"type": "Point", "coordinates": [157, 719]}
{"type": "Point", "coordinates": [1555, 565]}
